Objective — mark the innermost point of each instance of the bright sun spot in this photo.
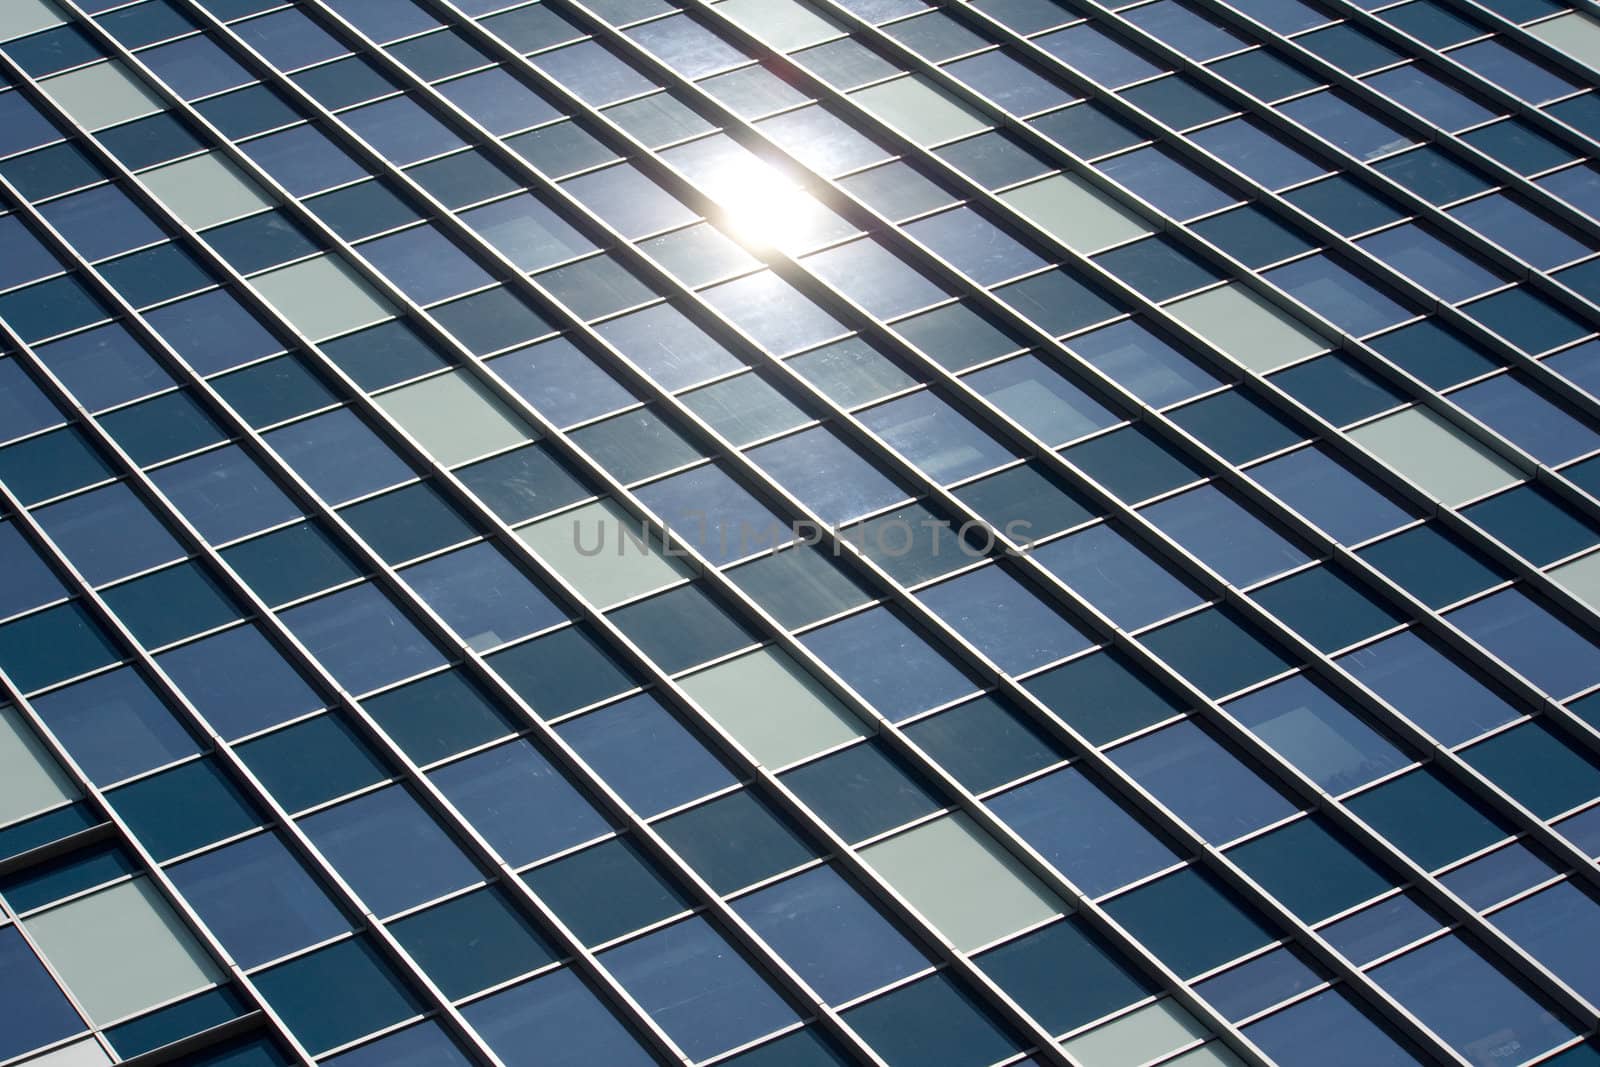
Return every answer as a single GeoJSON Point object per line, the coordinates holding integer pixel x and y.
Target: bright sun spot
{"type": "Point", "coordinates": [764, 208]}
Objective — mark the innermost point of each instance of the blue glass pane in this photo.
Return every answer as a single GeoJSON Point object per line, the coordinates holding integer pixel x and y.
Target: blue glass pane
{"type": "Point", "coordinates": [53, 645]}
{"type": "Point", "coordinates": [29, 581]}
{"type": "Point", "coordinates": [213, 332]}
{"type": "Point", "coordinates": [521, 804]}
{"type": "Point", "coordinates": [73, 873]}
{"type": "Point", "coordinates": [608, 890]}
{"type": "Point", "coordinates": [554, 1021]}
{"type": "Point", "coordinates": [439, 716]}
{"type": "Point", "coordinates": [1380, 928]}
{"type": "Point", "coordinates": [259, 899]}
{"type": "Point", "coordinates": [651, 758]}
{"type": "Point", "coordinates": [1116, 576]}
{"type": "Point", "coordinates": [339, 456]}
{"type": "Point", "coordinates": [670, 346]}
{"type": "Point", "coordinates": [1312, 730]}
{"type": "Point", "coordinates": [1539, 768]}
{"type": "Point", "coordinates": [1536, 424]}
{"type": "Point", "coordinates": [1065, 975]}
{"type": "Point", "coordinates": [225, 494]}
{"type": "Point", "coordinates": [864, 790]}
{"type": "Point", "coordinates": [483, 596]}
{"type": "Point", "coordinates": [313, 761]}
{"type": "Point", "coordinates": [1467, 1001]}
{"type": "Point", "coordinates": [33, 1010]}
{"type": "Point", "coordinates": [1006, 620]}
{"type": "Point", "coordinates": [362, 638]}
{"type": "Point", "coordinates": [239, 681]}
{"type": "Point", "coordinates": [177, 1021]}
{"type": "Point", "coordinates": [1435, 566]}
{"type": "Point", "coordinates": [1438, 266]}
{"type": "Point", "coordinates": [827, 475]}
{"type": "Point", "coordinates": [104, 366]}
{"type": "Point", "coordinates": [423, 1045]}
{"type": "Point", "coordinates": [735, 840]}
{"type": "Point", "coordinates": [101, 221]}
{"type": "Point", "coordinates": [1104, 696]}
{"type": "Point", "coordinates": [1083, 831]}
{"type": "Point", "coordinates": [1340, 120]}
{"type": "Point", "coordinates": [527, 232]}
{"type": "Point", "coordinates": [1043, 400]}
{"type": "Point", "coordinates": [889, 663]}
{"type": "Point", "coordinates": [474, 941]}
{"type": "Point", "coordinates": [1328, 1030]}
{"type": "Point", "coordinates": [1427, 818]}
{"type": "Point", "coordinates": [828, 932]}
{"type": "Point", "coordinates": [1268, 979]}
{"type": "Point", "coordinates": [1190, 921]}
{"type": "Point", "coordinates": [985, 743]}
{"type": "Point", "coordinates": [1167, 183]}
{"type": "Point", "coordinates": [1339, 294]}
{"type": "Point", "coordinates": [1217, 650]}
{"type": "Point", "coordinates": [1498, 875]}
{"type": "Point", "coordinates": [933, 1020]}
{"type": "Point", "coordinates": [401, 130]}
{"type": "Point", "coordinates": [1227, 537]}
{"type": "Point", "coordinates": [390, 849]}
{"type": "Point", "coordinates": [1312, 868]}
{"type": "Point", "coordinates": [928, 431]}
{"type": "Point", "coordinates": [337, 994]}
{"type": "Point", "coordinates": [1554, 926]}
{"type": "Point", "coordinates": [710, 511]}
{"type": "Point", "coordinates": [1205, 784]}
{"type": "Point", "coordinates": [698, 988]}
{"type": "Point", "coordinates": [181, 809]}
{"type": "Point", "coordinates": [1343, 503]}
{"type": "Point", "coordinates": [425, 265]}
{"type": "Point", "coordinates": [114, 726]}
{"type": "Point", "coordinates": [304, 160]}
{"type": "Point", "coordinates": [1532, 640]}
{"type": "Point", "coordinates": [51, 464]}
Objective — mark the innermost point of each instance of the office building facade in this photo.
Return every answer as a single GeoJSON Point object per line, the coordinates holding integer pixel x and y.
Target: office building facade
{"type": "Point", "coordinates": [788, 532]}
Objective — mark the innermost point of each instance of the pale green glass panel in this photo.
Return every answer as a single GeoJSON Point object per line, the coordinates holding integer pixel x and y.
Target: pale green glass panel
{"type": "Point", "coordinates": [965, 884]}
{"type": "Point", "coordinates": [783, 24]}
{"type": "Point", "coordinates": [1247, 328]}
{"type": "Point", "coordinates": [20, 17]}
{"type": "Point", "coordinates": [1215, 1054]}
{"type": "Point", "coordinates": [83, 1054]}
{"type": "Point", "coordinates": [772, 707]}
{"type": "Point", "coordinates": [455, 417]}
{"type": "Point", "coordinates": [204, 190]}
{"type": "Point", "coordinates": [920, 110]}
{"type": "Point", "coordinates": [1137, 1037]}
{"type": "Point", "coordinates": [1581, 578]}
{"type": "Point", "coordinates": [121, 950]}
{"type": "Point", "coordinates": [597, 549]}
{"type": "Point", "coordinates": [1446, 463]}
{"type": "Point", "coordinates": [102, 95]}
{"type": "Point", "coordinates": [1075, 212]}
{"type": "Point", "coordinates": [322, 297]}
{"type": "Point", "coordinates": [1576, 34]}
{"type": "Point", "coordinates": [30, 780]}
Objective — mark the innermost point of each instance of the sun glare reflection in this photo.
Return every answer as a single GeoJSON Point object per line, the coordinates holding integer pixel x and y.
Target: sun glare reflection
{"type": "Point", "coordinates": [763, 208]}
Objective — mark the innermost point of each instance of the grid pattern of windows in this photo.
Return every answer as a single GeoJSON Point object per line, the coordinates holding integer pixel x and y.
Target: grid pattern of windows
{"type": "Point", "coordinates": [799, 532]}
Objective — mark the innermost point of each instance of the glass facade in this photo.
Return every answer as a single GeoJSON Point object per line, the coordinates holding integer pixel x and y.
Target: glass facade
{"type": "Point", "coordinates": [789, 532]}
